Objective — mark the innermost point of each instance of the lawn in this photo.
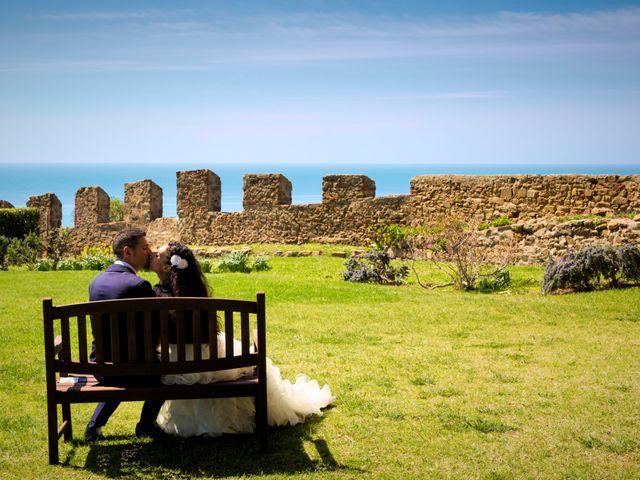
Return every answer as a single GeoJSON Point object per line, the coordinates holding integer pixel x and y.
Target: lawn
{"type": "Point", "coordinates": [430, 384]}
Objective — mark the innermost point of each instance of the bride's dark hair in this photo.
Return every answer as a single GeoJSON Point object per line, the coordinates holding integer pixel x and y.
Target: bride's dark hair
{"type": "Point", "coordinates": [189, 281]}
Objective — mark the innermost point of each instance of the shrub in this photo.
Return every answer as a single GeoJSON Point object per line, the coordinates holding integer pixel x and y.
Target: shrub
{"type": "Point", "coordinates": [70, 264]}
{"type": "Point", "coordinates": [496, 282]}
{"type": "Point", "coordinates": [500, 221]}
{"type": "Point", "coordinates": [4, 244]}
{"type": "Point", "coordinates": [116, 210]}
{"type": "Point", "coordinates": [592, 266]}
{"type": "Point", "coordinates": [261, 263]}
{"type": "Point", "coordinates": [496, 222]}
{"type": "Point", "coordinates": [457, 251]}
{"type": "Point", "coordinates": [56, 244]}
{"type": "Point", "coordinates": [100, 249]}
{"type": "Point", "coordinates": [23, 251]}
{"type": "Point", "coordinates": [629, 262]}
{"type": "Point", "coordinates": [374, 267]}
{"type": "Point", "coordinates": [207, 265]}
{"type": "Point", "coordinates": [390, 236]}
{"type": "Point", "coordinates": [18, 222]}
{"type": "Point", "coordinates": [43, 265]}
{"type": "Point", "coordinates": [94, 262]}
{"type": "Point", "coordinates": [237, 261]}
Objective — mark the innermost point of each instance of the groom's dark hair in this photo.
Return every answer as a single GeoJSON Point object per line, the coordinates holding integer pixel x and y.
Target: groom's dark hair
{"type": "Point", "coordinates": [129, 237]}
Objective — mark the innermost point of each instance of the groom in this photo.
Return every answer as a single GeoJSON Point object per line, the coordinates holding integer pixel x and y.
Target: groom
{"type": "Point", "coordinates": [120, 280]}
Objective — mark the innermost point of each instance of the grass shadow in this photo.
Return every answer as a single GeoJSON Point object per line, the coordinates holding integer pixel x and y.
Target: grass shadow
{"type": "Point", "coordinates": [225, 456]}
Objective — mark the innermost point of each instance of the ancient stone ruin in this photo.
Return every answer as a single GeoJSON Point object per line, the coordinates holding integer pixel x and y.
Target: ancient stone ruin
{"type": "Point", "coordinates": [535, 205]}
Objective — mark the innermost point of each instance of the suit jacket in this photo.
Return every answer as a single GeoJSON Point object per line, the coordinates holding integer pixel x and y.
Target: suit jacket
{"type": "Point", "coordinates": [118, 281]}
{"type": "Point", "coordinates": [161, 290]}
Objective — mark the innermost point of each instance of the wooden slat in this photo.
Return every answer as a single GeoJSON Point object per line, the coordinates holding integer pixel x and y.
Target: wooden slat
{"type": "Point", "coordinates": [131, 338]}
{"type": "Point", "coordinates": [164, 336]}
{"type": "Point", "coordinates": [197, 335]}
{"type": "Point", "coordinates": [244, 329]}
{"type": "Point", "coordinates": [228, 333]}
{"type": "Point", "coordinates": [148, 337]}
{"type": "Point", "coordinates": [66, 339]}
{"type": "Point", "coordinates": [143, 304]}
{"type": "Point", "coordinates": [115, 337]}
{"type": "Point", "coordinates": [213, 334]}
{"type": "Point", "coordinates": [82, 337]}
{"type": "Point", "coordinates": [98, 330]}
{"type": "Point", "coordinates": [180, 335]}
{"type": "Point", "coordinates": [112, 370]}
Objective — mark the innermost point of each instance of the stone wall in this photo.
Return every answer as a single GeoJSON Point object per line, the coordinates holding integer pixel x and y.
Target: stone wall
{"type": "Point", "coordinates": [92, 207]}
{"type": "Point", "coordinates": [50, 209]}
{"type": "Point", "coordinates": [265, 190]}
{"type": "Point", "coordinates": [142, 202]}
{"type": "Point", "coordinates": [535, 204]}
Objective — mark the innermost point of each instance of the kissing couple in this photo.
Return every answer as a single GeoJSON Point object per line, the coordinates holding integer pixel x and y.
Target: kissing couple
{"type": "Point", "coordinates": [179, 275]}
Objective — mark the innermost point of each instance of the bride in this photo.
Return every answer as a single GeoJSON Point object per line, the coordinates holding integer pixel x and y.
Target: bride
{"type": "Point", "coordinates": [288, 403]}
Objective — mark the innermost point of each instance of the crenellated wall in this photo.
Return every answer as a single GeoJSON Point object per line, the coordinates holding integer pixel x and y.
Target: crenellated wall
{"type": "Point", "coordinates": [349, 208]}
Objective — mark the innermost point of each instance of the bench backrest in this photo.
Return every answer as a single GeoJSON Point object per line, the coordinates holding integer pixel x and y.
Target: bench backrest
{"type": "Point", "coordinates": [128, 332]}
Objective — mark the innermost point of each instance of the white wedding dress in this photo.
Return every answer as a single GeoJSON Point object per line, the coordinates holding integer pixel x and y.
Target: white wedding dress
{"type": "Point", "coordinates": [287, 403]}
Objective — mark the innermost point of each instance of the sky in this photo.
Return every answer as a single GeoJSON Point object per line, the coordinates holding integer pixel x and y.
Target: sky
{"type": "Point", "coordinates": [312, 81]}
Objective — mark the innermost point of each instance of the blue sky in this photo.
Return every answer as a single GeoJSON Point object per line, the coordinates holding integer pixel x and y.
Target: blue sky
{"type": "Point", "coordinates": [369, 82]}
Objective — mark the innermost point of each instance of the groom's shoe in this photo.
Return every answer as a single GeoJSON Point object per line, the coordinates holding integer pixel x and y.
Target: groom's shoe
{"type": "Point", "coordinates": [92, 433]}
{"type": "Point", "coordinates": [149, 431]}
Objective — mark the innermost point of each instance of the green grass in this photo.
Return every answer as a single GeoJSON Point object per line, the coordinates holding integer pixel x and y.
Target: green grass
{"type": "Point", "coordinates": [430, 384]}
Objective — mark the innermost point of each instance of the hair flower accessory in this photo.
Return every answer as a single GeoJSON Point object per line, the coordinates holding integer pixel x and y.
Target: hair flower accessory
{"type": "Point", "coordinates": [178, 262]}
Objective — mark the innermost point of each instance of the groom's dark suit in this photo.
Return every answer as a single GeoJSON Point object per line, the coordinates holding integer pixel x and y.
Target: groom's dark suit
{"type": "Point", "coordinates": [118, 282]}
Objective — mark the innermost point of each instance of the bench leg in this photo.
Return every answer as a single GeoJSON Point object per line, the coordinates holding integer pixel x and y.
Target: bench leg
{"type": "Point", "coordinates": [66, 417]}
{"type": "Point", "coordinates": [261, 422]}
{"type": "Point", "coordinates": [52, 428]}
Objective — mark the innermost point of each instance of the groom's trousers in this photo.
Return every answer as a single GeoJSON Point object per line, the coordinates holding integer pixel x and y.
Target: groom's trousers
{"type": "Point", "coordinates": [150, 408]}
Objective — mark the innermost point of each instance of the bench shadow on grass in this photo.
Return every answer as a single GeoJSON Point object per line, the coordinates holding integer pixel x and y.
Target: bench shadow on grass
{"type": "Point", "coordinates": [225, 456]}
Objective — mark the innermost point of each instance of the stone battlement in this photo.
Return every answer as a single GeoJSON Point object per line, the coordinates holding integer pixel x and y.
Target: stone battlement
{"type": "Point", "coordinates": [348, 210]}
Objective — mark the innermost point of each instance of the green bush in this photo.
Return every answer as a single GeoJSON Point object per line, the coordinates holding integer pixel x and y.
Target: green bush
{"type": "Point", "coordinates": [70, 264]}
{"type": "Point", "coordinates": [23, 251]}
{"type": "Point", "coordinates": [43, 265]}
{"type": "Point", "coordinates": [207, 265]}
{"type": "Point", "coordinates": [497, 282]}
{"type": "Point", "coordinates": [95, 262]}
{"type": "Point", "coordinates": [237, 261]}
{"type": "Point", "coordinates": [4, 244]}
{"type": "Point", "coordinates": [116, 210]}
{"type": "Point", "coordinates": [261, 263]}
{"type": "Point", "coordinates": [500, 221]}
{"type": "Point", "coordinates": [18, 222]}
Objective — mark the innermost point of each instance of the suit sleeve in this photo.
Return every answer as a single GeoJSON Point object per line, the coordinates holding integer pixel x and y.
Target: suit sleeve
{"type": "Point", "coordinates": [144, 290]}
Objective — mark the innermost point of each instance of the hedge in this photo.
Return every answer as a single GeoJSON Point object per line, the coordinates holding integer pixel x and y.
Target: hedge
{"type": "Point", "coordinates": [18, 222]}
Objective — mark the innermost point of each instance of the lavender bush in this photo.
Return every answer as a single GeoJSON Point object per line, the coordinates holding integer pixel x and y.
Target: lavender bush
{"type": "Point", "coordinates": [595, 265]}
{"type": "Point", "coordinates": [374, 267]}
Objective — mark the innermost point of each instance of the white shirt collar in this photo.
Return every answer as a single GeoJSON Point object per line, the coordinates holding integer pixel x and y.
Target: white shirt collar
{"type": "Point", "coordinates": [125, 264]}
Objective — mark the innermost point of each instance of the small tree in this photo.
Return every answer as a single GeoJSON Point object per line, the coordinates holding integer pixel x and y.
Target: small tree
{"type": "Point", "coordinates": [455, 249]}
{"type": "Point", "coordinates": [56, 245]}
{"type": "Point", "coordinates": [116, 210]}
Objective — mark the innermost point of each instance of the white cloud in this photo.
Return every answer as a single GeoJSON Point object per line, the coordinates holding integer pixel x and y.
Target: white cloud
{"type": "Point", "coordinates": [202, 41]}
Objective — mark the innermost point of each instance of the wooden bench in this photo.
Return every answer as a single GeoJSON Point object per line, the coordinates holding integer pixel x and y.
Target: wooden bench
{"type": "Point", "coordinates": [136, 323]}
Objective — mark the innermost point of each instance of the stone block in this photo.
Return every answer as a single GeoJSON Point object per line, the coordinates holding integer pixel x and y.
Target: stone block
{"type": "Point", "coordinates": [142, 202]}
{"type": "Point", "coordinates": [265, 190]}
{"type": "Point", "coordinates": [198, 192]}
{"type": "Point", "coordinates": [92, 206]}
{"type": "Point", "coordinates": [50, 209]}
{"type": "Point", "coordinates": [5, 204]}
{"type": "Point", "coordinates": [346, 188]}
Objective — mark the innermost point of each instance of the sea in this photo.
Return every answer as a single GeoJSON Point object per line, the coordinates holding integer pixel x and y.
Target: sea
{"type": "Point", "coordinates": [20, 181]}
